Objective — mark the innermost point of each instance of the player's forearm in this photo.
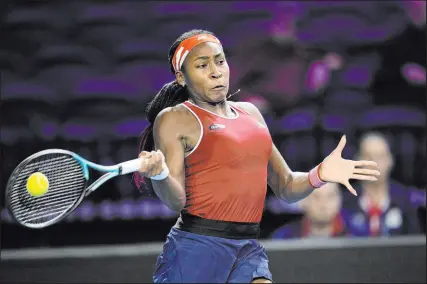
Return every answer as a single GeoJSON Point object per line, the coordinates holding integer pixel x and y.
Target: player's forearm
{"type": "Point", "coordinates": [297, 187]}
{"type": "Point", "coordinates": [171, 192]}
{"type": "Point", "coordinates": [289, 185]}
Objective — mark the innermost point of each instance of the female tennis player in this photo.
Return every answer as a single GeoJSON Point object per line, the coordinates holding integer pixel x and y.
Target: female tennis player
{"type": "Point", "coordinates": [210, 159]}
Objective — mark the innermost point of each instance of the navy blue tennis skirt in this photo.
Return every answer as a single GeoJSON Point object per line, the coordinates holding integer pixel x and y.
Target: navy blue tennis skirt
{"type": "Point", "coordinates": [196, 250]}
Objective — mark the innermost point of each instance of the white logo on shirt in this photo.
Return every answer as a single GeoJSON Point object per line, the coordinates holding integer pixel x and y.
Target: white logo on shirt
{"type": "Point", "coordinates": [216, 126]}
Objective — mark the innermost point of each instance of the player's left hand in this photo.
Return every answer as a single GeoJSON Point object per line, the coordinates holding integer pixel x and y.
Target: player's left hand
{"type": "Point", "coordinates": [336, 169]}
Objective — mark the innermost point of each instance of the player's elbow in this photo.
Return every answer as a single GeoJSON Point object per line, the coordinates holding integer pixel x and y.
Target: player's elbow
{"type": "Point", "coordinates": [177, 206]}
{"type": "Point", "coordinates": [291, 199]}
{"type": "Point", "coordinates": [286, 195]}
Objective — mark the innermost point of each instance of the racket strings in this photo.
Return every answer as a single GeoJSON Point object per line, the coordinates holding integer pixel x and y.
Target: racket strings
{"type": "Point", "coordinates": [66, 184]}
{"type": "Point", "coordinates": [54, 202]}
{"type": "Point", "coordinates": [67, 181]}
{"type": "Point", "coordinates": [38, 211]}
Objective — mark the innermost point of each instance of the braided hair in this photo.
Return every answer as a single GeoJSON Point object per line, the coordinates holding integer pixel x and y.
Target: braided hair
{"type": "Point", "coordinates": [171, 94]}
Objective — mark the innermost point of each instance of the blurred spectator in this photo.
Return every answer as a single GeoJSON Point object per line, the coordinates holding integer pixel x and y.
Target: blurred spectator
{"type": "Point", "coordinates": [384, 207]}
{"type": "Point", "coordinates": [331, 47]}
{"type": "Point", "coordinates": [322, 217]}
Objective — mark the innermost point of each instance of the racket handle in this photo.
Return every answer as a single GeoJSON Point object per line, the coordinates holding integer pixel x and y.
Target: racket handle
{"type": "Point", "coordinates": [130, 166]}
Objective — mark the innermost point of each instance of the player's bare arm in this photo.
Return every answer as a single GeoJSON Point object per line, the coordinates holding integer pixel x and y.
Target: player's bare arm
{"type": "Point", "coordinates": [293, 186]}
{"type": "Point", "coordinates": [170, 142]}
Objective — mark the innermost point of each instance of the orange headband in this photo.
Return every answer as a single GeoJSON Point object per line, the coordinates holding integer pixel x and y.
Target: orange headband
{"type": "Point", "coordinates": [187, 45]}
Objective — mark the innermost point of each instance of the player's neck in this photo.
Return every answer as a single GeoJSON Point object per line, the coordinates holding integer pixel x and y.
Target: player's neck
{"type": "Point", "coordinates": [320, 229]}
{"type": "Point", "coordinates": [376, 192]}
{"type": "Point", "coordinates": [221, 108]}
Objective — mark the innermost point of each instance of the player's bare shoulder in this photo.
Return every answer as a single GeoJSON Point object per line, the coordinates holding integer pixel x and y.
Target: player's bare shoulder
{"type": "Point", "coordinates": [251, 109]}
{"type": "Point", "coordinates": [246, 106]}
{"type": "Point", "coordinates": [177, 118]}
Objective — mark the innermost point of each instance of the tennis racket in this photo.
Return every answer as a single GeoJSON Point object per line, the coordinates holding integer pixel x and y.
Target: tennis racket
{"type": "Point", "coordinates": [68, 176]}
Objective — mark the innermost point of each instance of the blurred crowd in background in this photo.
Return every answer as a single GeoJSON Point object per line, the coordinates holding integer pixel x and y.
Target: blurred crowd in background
{"type": "Point", "coordinates": [77, 75]}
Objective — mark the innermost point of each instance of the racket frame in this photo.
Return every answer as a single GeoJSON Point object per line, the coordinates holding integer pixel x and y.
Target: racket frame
{"type": "Point", "coordinates": [110, 172]}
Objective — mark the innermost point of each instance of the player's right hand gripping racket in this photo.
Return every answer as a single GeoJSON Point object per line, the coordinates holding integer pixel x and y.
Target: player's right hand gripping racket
{"type": "Point", "coordinates": [68, 175]}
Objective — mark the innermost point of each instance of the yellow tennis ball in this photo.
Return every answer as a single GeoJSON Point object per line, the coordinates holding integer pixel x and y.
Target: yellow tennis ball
{"type": "Point", "coordinates": [37, 184]}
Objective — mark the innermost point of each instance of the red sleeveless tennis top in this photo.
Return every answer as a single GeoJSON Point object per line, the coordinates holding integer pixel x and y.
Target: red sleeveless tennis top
{"type": "Point", "coordinates": [226, 172]}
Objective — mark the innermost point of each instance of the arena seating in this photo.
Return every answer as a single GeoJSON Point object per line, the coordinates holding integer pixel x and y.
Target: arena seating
{"type": "Point", "coordinates": [83, 72]}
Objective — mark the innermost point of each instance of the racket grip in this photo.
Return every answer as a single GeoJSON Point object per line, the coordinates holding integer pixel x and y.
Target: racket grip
{"type": "Point", "coordinates": [130, 166]}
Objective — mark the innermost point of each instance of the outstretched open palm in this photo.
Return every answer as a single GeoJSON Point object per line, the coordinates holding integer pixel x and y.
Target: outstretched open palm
{"type": "Point", "coordinates": [336, 169]}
